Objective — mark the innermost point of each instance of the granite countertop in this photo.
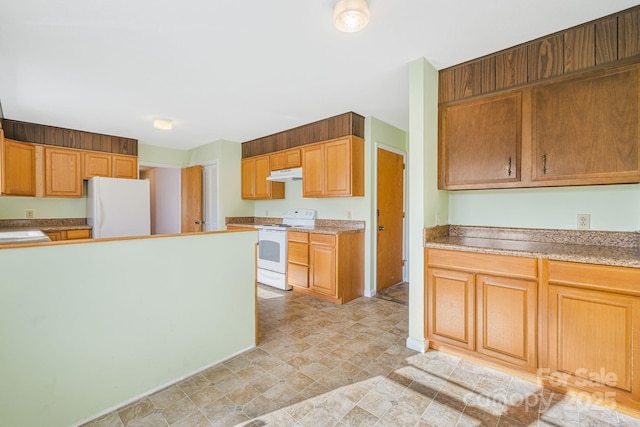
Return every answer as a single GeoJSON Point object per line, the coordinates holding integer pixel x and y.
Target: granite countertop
{"type": "Point", "coordinates": [323, 226]}
{"type": "Point", "coordinates": [593, 247]}
{"type": "Point", "coordinates": [47, 225]}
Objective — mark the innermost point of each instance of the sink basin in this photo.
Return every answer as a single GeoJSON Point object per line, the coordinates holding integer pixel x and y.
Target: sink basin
{"type": "Point", "coordinates": [22, 236]}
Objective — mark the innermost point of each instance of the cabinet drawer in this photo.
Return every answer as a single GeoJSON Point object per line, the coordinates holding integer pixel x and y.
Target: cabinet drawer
{"type": "Point", "coordinates": [502, 265]}
{"type": "Point", "coordinates": [599, 277]}
{"type": "Point", "coordinates": [298, 236]}
{"type": "Point", "coordinates": [299, 253]}
{"type": "Point", "coordinates": [78, 234]}
{"type": "Point", "coordinates": [298, 275]}
{"type": "Point", "coordinates": [323, 239]}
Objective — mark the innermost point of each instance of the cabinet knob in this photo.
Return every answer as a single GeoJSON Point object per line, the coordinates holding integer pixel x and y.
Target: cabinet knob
{"type": "Point", "coordinates": [380, 228]}
{"type": "Point", "coordinates": [544, 163]}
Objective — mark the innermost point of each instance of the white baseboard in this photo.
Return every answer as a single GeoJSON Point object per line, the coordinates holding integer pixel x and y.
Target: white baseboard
{"type": "Point", "coordinates": [417, 345]}
{"type": "Point", "coordinates": [369, 293]}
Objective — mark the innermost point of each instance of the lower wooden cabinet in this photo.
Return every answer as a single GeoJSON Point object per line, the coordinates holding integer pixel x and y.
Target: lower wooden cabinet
{"type": "Point", "coordinates": [576, 325]}
{"type": "Point", "coordinates": [69, 234]}
{"type": "Point", "coordinates": [486, 304]}
{"type": "Point", "coordinates": [298, 259]}
{"type": "Point", "coordinates": [335, 268]}
{"type": "Point", "coordinates": [506, 314]}
{"type": "Point", "coordinates": [594, 327]}
{"type": "Point", "coordinates": [323, 264]}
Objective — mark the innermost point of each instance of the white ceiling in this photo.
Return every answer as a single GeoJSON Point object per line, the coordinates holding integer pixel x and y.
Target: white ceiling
{"type": "Point", "coordinates": [239, 70]}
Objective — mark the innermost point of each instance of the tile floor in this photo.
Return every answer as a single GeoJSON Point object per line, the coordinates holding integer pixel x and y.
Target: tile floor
{"type": "Point", "coordinates": [320, 364]}
{"type": "Point", "coordinates": [397, 293]}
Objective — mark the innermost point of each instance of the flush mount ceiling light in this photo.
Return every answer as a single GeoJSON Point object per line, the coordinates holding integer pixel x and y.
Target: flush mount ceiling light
{"type": "Point", "coordinates": [162, 124]}
{"type": "Point", "coordinates": [351, 15]}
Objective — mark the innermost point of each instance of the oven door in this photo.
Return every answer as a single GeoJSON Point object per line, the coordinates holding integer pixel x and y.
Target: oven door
{"type": "Point", "coordinates": [272, 250]}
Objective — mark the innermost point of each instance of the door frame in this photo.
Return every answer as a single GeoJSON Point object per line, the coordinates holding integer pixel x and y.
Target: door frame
{"type": "Point", "coordinates": [204, 196]}
{"type": "Point", "coordinates": [374, 240]}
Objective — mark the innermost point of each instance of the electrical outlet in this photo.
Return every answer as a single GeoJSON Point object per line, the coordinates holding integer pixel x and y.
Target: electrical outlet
{"type": "Point", "coordinates": [266, 212]}
{"type": "Point", "coordinates": [437, 218]}
{"type": "Point", "coordinates": [349, 214]}
{"type": "Point", "coordinates": [584, 221]}
{"type": "Point", "coordinates": [30, 213]}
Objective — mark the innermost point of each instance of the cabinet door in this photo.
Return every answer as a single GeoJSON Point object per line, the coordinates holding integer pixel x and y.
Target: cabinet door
{"type": "Point", "coordinates": [63, 174]}
{"type": "Point", "coordinates": [292, 159]}
{"type": "Point", "coordinates": [592, 332]}
{"type": "Point", "coordinates": [480, 142]}
{"type": "Point", "coordinates": [451, 309]}
{"type": "Point", "coordinates": [77, 234]}
{"type": "Point", "coordinates": [262, 171]}
{"type": "Point", "coordinates": [125, 167]}
{"type": "Point", "coordinates": [54, 235]}
{"type": "Point", "coordinates": [586, 130]}
{"type": "Point", "coordinates": [247, 178]}
{"type": "Point", "coordinates": [313, 171]}
{"type": "Point", "coordinates": [506, 319]}
{"type": "Point", "coordinates": [18, 168]}
{"type": "Point", "coordinates": [322, 265]}
{"type": "Point", "coordinates": [96, 164]}
{"type": "Point", "coordinates": [338, 168]}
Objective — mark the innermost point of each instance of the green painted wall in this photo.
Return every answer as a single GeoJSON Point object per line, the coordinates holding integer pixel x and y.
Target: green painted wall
{"type": "Point", "coordinates": [98, 324]}
{"type": "Point", "coordinates": [162, 156]}
{"type": "Point", "coordinates": [45, 207]}
{"type": "Point", "coordinates": [612, 207]}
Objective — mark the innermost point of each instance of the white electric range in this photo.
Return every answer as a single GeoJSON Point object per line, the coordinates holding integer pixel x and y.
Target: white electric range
{"type": "Point", "coordinates": [272, 246]}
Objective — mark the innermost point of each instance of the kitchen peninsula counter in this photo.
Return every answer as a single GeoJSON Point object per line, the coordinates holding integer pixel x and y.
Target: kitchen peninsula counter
{"type": "Point", "coordinates": [583, 246]}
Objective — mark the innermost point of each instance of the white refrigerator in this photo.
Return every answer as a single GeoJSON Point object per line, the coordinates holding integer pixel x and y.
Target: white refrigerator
{"type": "Point", "coordinates": [118, 207]}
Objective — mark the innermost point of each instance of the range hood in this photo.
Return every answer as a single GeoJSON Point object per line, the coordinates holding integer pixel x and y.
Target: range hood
{"type": "Point", "coordinates": [286, 175]}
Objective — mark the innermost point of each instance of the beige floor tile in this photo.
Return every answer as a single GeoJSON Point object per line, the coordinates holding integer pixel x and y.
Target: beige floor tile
{"type": "Point", "coordinates": [110, 420]}
{"type": "Point", "coordinates": [137, 410]}
{"type": "Point", "coordinates": [179, 410]}
{"type": "Point", "coordinates": [166, 397]}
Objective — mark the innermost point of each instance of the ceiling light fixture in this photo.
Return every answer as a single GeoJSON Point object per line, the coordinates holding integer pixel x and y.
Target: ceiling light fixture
{"type": "Point", "coordinates": [163, 124]}
{"type": "Point", "coordinates": [351, 15]}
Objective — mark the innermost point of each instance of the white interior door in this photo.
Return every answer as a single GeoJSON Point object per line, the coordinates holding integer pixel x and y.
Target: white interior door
{"type": "Point", "coordinates": [210, 197]}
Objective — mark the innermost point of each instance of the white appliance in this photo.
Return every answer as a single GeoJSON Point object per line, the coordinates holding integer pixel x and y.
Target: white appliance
{"type": "Point", "coordinates": [272, 246]}
{"type": "Point", "coordinates": [118, 207]}
{"type": "Point", "coordinates": [286, 175]}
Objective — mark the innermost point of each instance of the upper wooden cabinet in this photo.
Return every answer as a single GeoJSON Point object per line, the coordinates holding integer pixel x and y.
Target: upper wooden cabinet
{"type": "Point", "coordinates": [334, 168]}
{"type": "Point", "coordinates": [17, 168]}
{"type": "Point", "coordinates": [109, 165]}
{"type": "Point", "coordinates": [480, 141]}
{"type": "Point", "coordinates": [255, 186]}
{"type": "Point", "coordinates": [124, 167]}
{"type": "Point", "coordinates": [585, 130]}
{"type": "Point", "coordinates": [577, 130]}
{"type": "Point", "coordinates": [285, 159]}
{"type": "Point", "coordinates": [63, 172]}
{"type": "Point", "coordinates": [96, 164]}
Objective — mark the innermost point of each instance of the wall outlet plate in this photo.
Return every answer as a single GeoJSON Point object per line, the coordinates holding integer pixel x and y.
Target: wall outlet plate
{"type": "Point", "coordinates": [30, 213]}
{"type": "Point", "coordinates": [584, 221]}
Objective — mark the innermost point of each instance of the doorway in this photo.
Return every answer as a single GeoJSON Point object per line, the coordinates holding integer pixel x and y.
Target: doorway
{"type": "Point", "coordinates": [390, 218]}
